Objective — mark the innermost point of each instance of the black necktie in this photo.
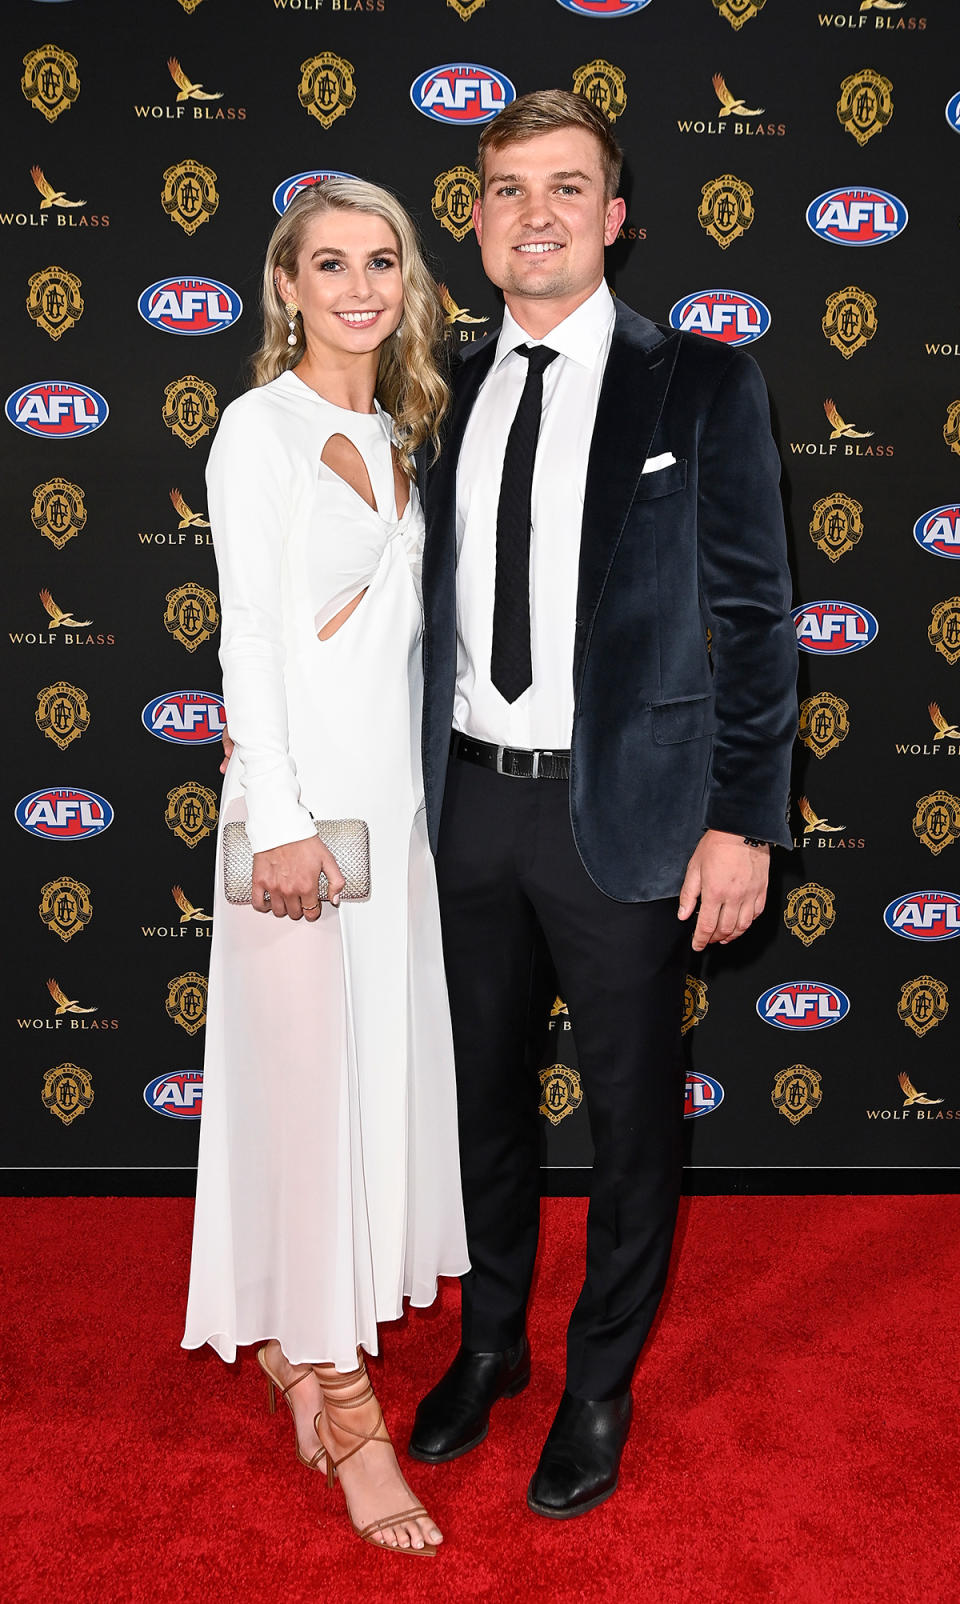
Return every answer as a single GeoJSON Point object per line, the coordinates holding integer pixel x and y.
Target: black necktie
{"type": "Point", "coordinates": [511, 668]}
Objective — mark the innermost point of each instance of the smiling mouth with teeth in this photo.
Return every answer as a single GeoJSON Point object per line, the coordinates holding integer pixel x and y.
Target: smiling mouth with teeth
{"type": "Point", "coordinates": [358, 318]}
{"type": "Point", "coordinates": [540, 247]}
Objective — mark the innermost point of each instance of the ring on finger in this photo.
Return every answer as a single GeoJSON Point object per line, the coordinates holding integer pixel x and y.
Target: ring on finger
{"type": "Point", "coordinates": [308, 907]}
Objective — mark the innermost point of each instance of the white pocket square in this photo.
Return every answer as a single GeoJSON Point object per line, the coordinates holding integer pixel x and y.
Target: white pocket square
{"type": "Point", "coordinates": [666, 459]}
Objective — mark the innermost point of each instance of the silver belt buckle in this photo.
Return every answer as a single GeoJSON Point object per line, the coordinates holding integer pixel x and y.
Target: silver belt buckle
{"type": "Point", "coordinates": [535, 775]}
{"type": "Point", "coordinates": [500, 768]}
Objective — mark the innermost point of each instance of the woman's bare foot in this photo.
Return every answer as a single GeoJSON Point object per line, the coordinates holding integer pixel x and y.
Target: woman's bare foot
{"type": "Point", "coordinates": [353, 1432]}
{"type": "Point", "coordinates": [305, 1398]}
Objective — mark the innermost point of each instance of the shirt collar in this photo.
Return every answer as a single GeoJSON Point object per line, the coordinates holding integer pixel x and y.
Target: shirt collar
{"type": "Point", "coordinates": [580, 336]}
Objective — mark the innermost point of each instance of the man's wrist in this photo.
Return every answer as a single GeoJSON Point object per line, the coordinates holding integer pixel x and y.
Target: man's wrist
{"type": "Point", "coordinates": [750, 841]}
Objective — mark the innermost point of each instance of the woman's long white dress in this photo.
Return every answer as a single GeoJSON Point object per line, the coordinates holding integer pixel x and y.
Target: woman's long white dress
{"type": "Point", "coordinates": [328, 1185]}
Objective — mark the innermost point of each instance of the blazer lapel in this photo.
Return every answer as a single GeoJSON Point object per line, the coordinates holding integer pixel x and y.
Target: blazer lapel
{"type": "Point", "coordinates": [441, 480]}
{"type": "Point", "coordinates": [635, 383]}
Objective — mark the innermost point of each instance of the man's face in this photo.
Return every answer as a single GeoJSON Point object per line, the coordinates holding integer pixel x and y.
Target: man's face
{"type": "Point", "coordinates": [544, 218]}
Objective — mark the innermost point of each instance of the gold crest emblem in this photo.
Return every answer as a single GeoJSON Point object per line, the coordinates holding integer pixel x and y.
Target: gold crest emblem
{"type": "Point", "coordinates": [454, 194]}
{"type": "Point", "coordinates": [951, 429]}
{"type": "Point", "coordinates": [187, 1001]}
{"type": "Point", "coordinates": [695, 1003]}
{"type": "Point", "coordinates": [850, 319]}
{"type": "Point", "coordinates": [466, 8]}
{"type": "Point", "coordinates": [191, 811]}
{"type": "Point", "coordinates": [561, 1093]}
{"type": "Point", "coordinates": [189, 409]}
{"type": "Point", "coordinates": [796, 1092]}
{"type": "Point", "coordinates": [836, 525]}
{"type": "Point", "coordinates": [911, 1095]}
{"type": "Point", "coordinates": [454, 313]}
{"type": "Point", "coordinates": [54, 300]}
{"type": "Point", "coordinates": [839, 430]}
{"type": "Point", "coordinates": [923, 1004]}
{"type": "Point", "coordinates": [62, 713]}
{"type": "Point", "coordinates": [937, 820]}
{"type": "Point", "coordinates": [189, 914]}
{"type": "Point", "coordinates": [726, 210]}
{"type": "Point", "coordinates": [866, 104]}
{"type": "Point", "coordinates": [190, 6]}
{"type": "Point", "coordinates": [65, 906]}
{"type": "Point", "coordinates": [604, 85]}
{"type": "Point", "coordinates": [823, 722]}
{"type": "Point", "coordinates": [67, 1092]}
{"type": "Point", "coordinates": [943, 631]}
{"type": "Point", "coordinates": [58, 510]}
{"type": "Point", "coordinates": [737, 12]}
{"type": "Point", "coordinates": [191, 614]}
{"type": "Point", "coordinates": [809, 912]}
{"type": "Point", "coordinates": [50, 80]}
{"type": "Point", "coordinates": [188, 518]}
{"type": "Point", "coordinates": [327, 90]}
{"type": "Point", "coordinates": [189, 194]}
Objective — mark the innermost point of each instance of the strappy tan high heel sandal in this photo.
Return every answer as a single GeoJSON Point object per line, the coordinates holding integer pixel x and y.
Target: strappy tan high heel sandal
{"type": "Point", "coordinates": [333, 1390]}
{"type": "Point", "coordinates": [275, 1386]}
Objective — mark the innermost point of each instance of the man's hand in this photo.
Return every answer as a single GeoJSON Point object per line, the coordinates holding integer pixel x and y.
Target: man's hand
{"type": "Point", "coordinates": [730, 879]}
{"type": "Point", "coordinates": [285, 879]}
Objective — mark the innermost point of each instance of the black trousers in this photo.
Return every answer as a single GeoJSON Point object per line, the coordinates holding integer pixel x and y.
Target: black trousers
{"type": "Point", "coordinates": [511, 884]}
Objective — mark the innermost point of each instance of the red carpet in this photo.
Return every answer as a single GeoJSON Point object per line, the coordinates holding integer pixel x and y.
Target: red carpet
{"type": "Point", "coordinates": [795, 1435]}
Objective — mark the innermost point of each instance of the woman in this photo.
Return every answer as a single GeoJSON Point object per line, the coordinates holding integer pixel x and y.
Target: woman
{"type": "Point", "coordinates": [328, 1187]}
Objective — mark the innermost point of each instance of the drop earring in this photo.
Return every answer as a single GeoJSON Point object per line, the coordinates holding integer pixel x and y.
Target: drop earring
{"type": "Point", "coordinates": [291, 308]}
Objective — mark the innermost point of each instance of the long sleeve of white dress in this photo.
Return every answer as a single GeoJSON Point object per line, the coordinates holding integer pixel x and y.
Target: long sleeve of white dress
{"type": "Point", "coordinates": [249, 500]}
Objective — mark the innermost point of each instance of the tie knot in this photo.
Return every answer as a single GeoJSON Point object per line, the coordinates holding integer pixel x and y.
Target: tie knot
{"type": "Point", "coordinates": [538, 356]}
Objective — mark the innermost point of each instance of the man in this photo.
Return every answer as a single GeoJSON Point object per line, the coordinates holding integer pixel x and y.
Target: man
{"type": "Point", "coordinates": [607, 755]}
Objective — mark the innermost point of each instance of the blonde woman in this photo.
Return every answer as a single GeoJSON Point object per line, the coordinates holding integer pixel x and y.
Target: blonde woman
{"type": "Point", "coordinates": [328, 1186]}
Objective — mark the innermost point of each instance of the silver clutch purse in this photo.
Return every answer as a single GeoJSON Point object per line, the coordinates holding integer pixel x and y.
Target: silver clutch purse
{"type": "Point", "coordinates": [347, 839]}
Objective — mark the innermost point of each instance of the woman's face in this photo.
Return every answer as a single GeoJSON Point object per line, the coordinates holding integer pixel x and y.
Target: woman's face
{"type": "Point", "coordinates": [347, 284]}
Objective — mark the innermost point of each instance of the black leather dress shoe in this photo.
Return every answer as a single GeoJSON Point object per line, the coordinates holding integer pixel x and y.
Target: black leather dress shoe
{"type": "Point", "coordinates": [454, 1417]}
{"type": "Point", "coordinates": [580, 1463]}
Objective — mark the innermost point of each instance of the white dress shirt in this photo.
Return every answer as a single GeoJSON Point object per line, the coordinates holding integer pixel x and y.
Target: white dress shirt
{"type": "Point", "coordinates": [543, 716]}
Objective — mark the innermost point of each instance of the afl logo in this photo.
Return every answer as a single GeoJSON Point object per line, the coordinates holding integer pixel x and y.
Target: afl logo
{"type": "Point", "coordinates": [924, 916]}
{"type": "Point", "coordinates": [727, 316]}
{"type": "Point", "coordinates": [953, 112]}
{"type": "Point", "coordinates": [188, 718]}
{"type": "Point", "coordinates": [702, 1095]}
{"type": "Point", "coordinates": [179, 1096]}
{"type": "Point", "coordinates": [857, 216]}
{"type": "Point", "coordinates": [56, 409]}
{"type": "Point", "coordinates": [604, 8]}
{"type": "Point", "coordinates": [938, 531]}
{"type": "Point", "coordinates": [285, 192]}
{"type": "Point", "coordinates": [190, 305]}
{"type": "Point", "coordinates": [461, 92]}
{"type": "Point", "coordinates": [833, 628]}
{"type": "Point", "coordinates": [63, 813]}
{"type": "Point", "coordinates": [803, 1005]}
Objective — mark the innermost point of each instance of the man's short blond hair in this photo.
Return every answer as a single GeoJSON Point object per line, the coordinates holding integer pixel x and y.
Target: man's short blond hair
{"type": "Point", "coordinates": [542, 111]}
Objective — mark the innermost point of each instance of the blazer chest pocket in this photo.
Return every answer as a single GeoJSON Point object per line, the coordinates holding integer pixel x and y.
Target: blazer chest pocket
{"type": "Point", "coordinates": [662, 482]}
{"type": "Point", "coordinates": [682, 720]}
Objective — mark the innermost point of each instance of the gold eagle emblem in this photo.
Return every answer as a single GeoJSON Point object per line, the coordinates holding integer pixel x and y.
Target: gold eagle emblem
{"type": "Point", "coordinates": [453, 312]}
{"type": "Point", "coordinates": [49, 195]}
{"type": "Point", "coordinates": [188, 518]}
{"type": "Point", "coordinates": [813, 822]}
{"type": "Point", "coordinates": [945, 731]}
{"type": "Point", "coordinates": [65, 1004]}
{"type": "Point", "coordinates": [58, 616]}
{"type": "Point", "coordinates": [186, 89]}
{"type": "Point", "coordinates": [911, 1095]}
{"type": "Point", "coordinates": [839, 430]}
{"type": "Point", "coordinates": [188, 912]}
{"type": "Point", "coordinates": [729, 104]}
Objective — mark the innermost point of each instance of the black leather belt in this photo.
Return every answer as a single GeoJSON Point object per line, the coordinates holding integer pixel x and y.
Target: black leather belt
{"type": "Point", "coordinates": [511, 760]}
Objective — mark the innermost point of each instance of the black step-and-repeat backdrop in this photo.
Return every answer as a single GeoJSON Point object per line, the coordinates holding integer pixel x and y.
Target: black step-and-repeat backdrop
{"type": "Point", "coordinates": [791, 186]}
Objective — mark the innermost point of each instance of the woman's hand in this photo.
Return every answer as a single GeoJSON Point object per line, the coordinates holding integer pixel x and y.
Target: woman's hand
{"type": "Point", "coordinates": [285, 879]}
{"type": "Point", "coordinates": [227, 739]}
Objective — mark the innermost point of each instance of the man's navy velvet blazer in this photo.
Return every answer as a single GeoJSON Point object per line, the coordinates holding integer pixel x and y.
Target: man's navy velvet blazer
{"type": "Point", "coordinates": [675, 730]}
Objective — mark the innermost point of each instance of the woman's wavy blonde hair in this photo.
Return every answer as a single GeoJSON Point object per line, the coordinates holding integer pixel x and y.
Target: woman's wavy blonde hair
{"type": "Point", "coordinates": [410, 381]}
